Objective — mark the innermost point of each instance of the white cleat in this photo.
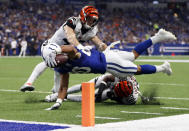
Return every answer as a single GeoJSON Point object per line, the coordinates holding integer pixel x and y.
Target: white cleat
{"type": "Point", "coordinates": [167, 68]}
{"type": "Point", "coordinates": [27, 87]}
{"type": "Point", "coordinates": [163, 36]}
{"type": "Point", "coordinates": [52, 97]}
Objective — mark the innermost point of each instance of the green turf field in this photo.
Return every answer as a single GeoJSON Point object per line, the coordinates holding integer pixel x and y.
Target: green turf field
{"type": "Point", "coordinates": [29, 106]}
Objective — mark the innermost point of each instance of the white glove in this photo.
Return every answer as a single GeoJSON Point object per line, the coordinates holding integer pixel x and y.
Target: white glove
{"type": "Point", "coordinates": [49, 53]}
{"type": "Point", "coordinates": [51, 97]}
{"type": "Point", "coordinates": [56, 105]}
{"type": "Point", "coordinates": [50, 59]}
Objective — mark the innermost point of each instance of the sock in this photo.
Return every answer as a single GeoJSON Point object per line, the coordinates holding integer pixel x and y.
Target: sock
{"type": "Point", "coordinates": [148, 69]}
{"type": "Point", "coordinates": [74, 98]}
{"type": "Point", "coordinates": [159, 68]}
{"type": "Point", "coordinates": [155, 39]}
{"type": "Point", "coordinates": [141, 47]}
{"type": "Point", "coordinates": [74, 89]}
{"type": "Point", "coordinates": [38, 70]}
{"type": "Point", "coordinates": [56, 82]}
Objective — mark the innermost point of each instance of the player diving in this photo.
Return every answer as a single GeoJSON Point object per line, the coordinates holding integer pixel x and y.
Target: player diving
{"type": "Point", "coordinates": [116, 62]}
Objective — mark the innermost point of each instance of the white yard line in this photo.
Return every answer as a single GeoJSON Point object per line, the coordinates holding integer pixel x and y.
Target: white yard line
{"type": "Point", "coordinates": [172, 98]}
{"type": "Point", "coordinates": [147, 113]}
{"type": "Point", "coordinates": [167, 84]}
{"type": "Point", "coordinates": [42, 92]}
{"type": "Point", "coordinates": [100, 117]}
{"type": "Point", "coordinates": [174, 108]}
{"type": "Point", "coordinates": [162, 60]}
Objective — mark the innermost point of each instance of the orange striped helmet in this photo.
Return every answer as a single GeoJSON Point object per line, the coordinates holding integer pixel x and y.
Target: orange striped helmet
{"type": "Point", "coordinates": [89, 15]}
{"type": "Point", "coordinates": [123, 88]}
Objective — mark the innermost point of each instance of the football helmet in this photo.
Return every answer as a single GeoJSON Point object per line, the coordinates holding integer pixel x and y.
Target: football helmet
{"type": "Point", "coordinates": [127, 90]}
{"type": "Point", "coordinates": [89, 16]}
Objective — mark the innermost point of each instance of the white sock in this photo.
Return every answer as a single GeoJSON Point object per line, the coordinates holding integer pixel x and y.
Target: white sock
{"type": "Point", "coordinates": [159, 68]}
{"type": "Point", "coordinates": [154, 39]}
{"type": "Point", "coordinates": [74, 89]}
{"type": "Point", "coordinates": [74, 98]}
{"type": "Point", "coordinates": [56, 82]}
{"type": "Point", "coordinates": [38, 70]}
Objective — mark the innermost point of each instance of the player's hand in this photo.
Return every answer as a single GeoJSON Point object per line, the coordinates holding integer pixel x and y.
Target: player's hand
{"type": "Point", "coordinates": [50, 60]}
{"type": "Point", "coordinates": [49, 53]}
{"type": "Point", "coordinates": [102, 47]}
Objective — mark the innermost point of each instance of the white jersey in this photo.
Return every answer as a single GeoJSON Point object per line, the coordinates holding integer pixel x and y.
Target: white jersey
{"type": "Point", "coordinates": [82, 34]}
{"type": "Point", "coordinates": [23, 44]}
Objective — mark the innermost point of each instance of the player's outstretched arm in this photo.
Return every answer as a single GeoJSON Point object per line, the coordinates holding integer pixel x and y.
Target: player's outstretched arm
{"type": "Point", "coordinates": [70, 50]}
{"type": "Point", "coordinates": [98, 43]}
{"type": "Point", "coordinates": [71, 36]}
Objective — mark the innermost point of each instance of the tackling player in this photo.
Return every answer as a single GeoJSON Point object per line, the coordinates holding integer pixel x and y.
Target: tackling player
{"type": "Point", "coordinates": [118, 63]}
{"type": "Point", "coordinates": [108, 87]}
{"type": "Point", "coordinates": [74, 31]}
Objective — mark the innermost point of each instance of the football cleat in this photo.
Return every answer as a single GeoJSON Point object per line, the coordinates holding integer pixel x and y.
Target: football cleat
{"type": "Point", "coordinates": [167, 68]}
{"type": "Point", "coordinates": [27, 87]}
{"type": "Point", "coordinates": [163, 36]}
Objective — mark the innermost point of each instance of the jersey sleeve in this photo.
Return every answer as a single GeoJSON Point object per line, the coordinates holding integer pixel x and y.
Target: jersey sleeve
{"type": "Point", "coordinates": [71, 22]}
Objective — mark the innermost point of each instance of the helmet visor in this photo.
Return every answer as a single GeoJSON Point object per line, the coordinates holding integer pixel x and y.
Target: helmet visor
{"type": "Point", "coordinates": [91, 21]}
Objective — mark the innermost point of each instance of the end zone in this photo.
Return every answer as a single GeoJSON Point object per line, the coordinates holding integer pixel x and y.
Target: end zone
{"type": "Point", "coordinates": [10, 125]}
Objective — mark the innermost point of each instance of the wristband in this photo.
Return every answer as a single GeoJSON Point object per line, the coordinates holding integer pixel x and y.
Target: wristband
{"type": "Point", "coordinates": [80, 46]}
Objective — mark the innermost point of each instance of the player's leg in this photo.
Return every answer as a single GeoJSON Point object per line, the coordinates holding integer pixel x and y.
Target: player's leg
{"type": "Point", "coordinates": [76, 98]}
{"type": "Point", "coordinates": [24, 52]}
{"type": "Point", "coordinates": [119, 65]}
{"type": "Point", "coordinates": [38, 70]}
{"type": "Point", "coordinates": [56, 82]}
{"type": "Point", "coordinates": [77, 88]}
{"type": "Point", "coordinates": [150, 69]}
{"type": "Point", "coordinates": [52, 97]}
{"type": "Point", "coordinates": [161, 36]}
{"type": "Point", "coordinates": [20, 53]}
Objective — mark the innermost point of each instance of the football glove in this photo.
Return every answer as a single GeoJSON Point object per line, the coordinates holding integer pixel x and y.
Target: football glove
{"type": "Point", "coordinates": [49, 53]}
{"type": "Point", "coordinates": [50, 60]}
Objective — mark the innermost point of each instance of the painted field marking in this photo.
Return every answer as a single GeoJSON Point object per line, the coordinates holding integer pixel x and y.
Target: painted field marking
{"type": "Point", "coordinates": [147, 113]}
{"type": "Point", "coordinates": [158, 60]}
{"type": "Point", "coordinates": [42, 92]}
{"type": "Point", "coordinates": [167, 84]}
{"type": "Point", "coordinates": [174, 108]}
{"type": "Point", "coordinates": [172, 98]}
{"type": "Point", "coordinates": [168, 98]}
{"type": "Point", "coordinates": [99, 117]}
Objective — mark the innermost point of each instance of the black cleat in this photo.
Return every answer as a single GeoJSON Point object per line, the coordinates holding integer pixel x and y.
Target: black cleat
{"type": "Point", "coordinates": [27, 88]}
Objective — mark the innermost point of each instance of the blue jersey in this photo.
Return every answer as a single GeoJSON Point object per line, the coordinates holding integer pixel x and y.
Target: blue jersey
{"type": "Point", "coordinates": [91, 61]}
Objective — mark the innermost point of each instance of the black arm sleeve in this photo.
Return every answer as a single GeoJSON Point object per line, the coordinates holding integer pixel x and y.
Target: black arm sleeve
{"type": "Point", "coordinates": [70, 22]}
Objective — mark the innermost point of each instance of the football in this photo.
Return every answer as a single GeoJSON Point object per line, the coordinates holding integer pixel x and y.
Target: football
{"type": "Point", "coordinates": [61, 59]}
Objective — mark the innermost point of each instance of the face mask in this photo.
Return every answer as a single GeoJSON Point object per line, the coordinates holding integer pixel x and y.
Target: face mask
{"type": "Point", "coordinates": [87, 26]}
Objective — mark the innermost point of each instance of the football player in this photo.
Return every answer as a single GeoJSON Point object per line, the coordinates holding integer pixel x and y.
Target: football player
{"type": "Point", "coordinates": [74, 31]}
{"type": "Point", "coordinates": [107, 87]}
{"type": "Point", "coordinates": [116, 62]}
